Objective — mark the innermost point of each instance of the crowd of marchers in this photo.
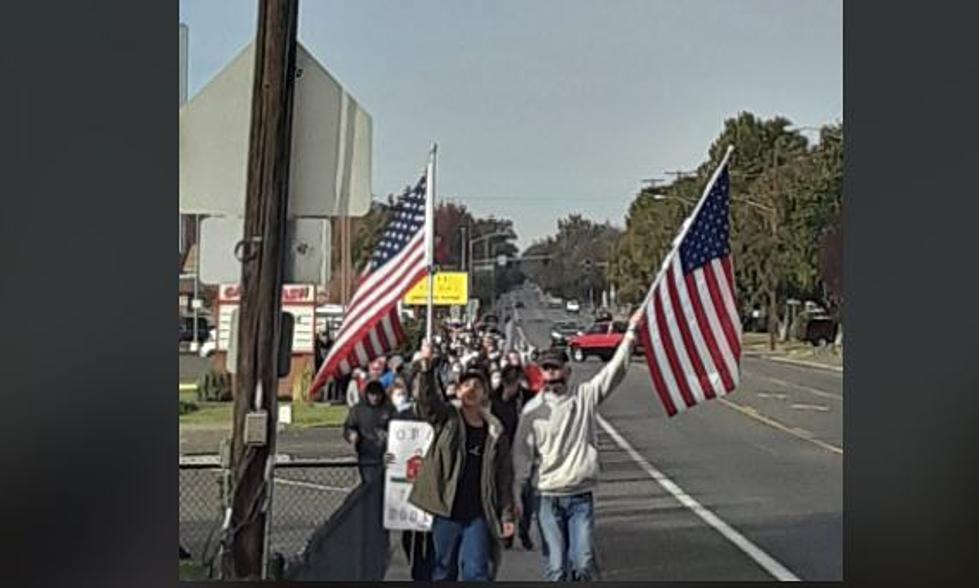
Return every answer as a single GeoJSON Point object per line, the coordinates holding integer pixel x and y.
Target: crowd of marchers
{"type": "Point", "coordinates": [514, 446]}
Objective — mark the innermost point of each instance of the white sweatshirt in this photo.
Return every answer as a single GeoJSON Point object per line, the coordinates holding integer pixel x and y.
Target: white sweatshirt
{"type": "Point", "coordinates": [559, 431]}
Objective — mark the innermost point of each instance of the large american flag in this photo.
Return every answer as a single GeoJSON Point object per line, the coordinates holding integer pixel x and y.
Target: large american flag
{"type": "Point", "coordinates": [690, 331]}
{"type": "Point", "coordinates": [371, 326]}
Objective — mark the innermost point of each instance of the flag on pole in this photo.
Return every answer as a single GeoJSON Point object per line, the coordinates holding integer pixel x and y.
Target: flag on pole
{"type": "Point", "coordinates": [371, 325]}
{"type": "Point", "coordinates": [690, 330]}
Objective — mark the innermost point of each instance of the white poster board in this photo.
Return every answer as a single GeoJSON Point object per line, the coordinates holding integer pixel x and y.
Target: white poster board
{"type": "Point", "coordinates": [408, 441]}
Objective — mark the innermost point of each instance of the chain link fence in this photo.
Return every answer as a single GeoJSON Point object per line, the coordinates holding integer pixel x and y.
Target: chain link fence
{"type": "Point", "coordinates": [304, 496]}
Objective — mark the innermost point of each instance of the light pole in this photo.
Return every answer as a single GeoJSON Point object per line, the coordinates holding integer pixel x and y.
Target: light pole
{"type": "Point", "coordinates": [487, 254]}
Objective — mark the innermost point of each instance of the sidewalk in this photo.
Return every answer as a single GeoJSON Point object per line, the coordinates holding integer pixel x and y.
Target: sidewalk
{"type": "Point", "coordinates": [518, 564]}
{"type": "Point", "coordinates": [757, 345]}
{"type": "Point", "coordinates": [311, 443]}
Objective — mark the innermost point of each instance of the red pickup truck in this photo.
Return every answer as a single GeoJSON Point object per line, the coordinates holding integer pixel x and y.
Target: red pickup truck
{"type": "Point", "coordinates": [601, 339]}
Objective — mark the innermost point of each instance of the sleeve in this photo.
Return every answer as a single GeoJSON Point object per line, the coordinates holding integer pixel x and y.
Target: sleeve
{"type": "Point", "coordinates": [429, 403]}
{"type": "Point", "coordinates": [504, 477]}
{"type": "Point", "coordinates": [523, 453]}
{"type": "Point", "coordinates": [601, 386]}
{"type": "Point", "coordinates": [350, 425]}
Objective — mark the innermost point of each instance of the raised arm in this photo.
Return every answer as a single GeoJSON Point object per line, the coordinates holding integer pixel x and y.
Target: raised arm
{"type": "Point", "coordinates": [601, 386]}
{"type": "Point", "coordinates": [429, 403]}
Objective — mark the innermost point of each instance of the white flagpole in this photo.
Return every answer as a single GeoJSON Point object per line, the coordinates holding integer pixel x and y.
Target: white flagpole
{"type": "Point", "coordinates": [686, 225]}
{"type": "Point", "coordinates": [430, 239]}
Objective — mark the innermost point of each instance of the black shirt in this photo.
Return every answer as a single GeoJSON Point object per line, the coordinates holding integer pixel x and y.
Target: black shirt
{"type": "Point", "coordinates": [468, 499]}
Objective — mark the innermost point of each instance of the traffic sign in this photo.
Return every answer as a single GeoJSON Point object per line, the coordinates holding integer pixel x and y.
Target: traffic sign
{"type": "Point", "coordinates": [330, 170]}
{"type": "Point", "coordinates": [307, 256]}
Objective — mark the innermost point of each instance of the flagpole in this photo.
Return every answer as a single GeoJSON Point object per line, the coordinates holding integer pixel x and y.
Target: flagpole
{"type": "Point", "coordinates": [686, 225]}
{"type": "Point", "coordinates": [430, 240]}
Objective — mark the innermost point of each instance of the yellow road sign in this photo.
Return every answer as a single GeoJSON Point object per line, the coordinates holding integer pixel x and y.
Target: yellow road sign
{"type": "Point", "coordinates": [450, 288]}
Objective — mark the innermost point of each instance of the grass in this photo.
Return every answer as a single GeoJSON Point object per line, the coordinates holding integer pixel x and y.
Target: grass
{"type": "Point", "coordinates": [304, 415]}
{"type": "Point", "coordinates": [191, 570]}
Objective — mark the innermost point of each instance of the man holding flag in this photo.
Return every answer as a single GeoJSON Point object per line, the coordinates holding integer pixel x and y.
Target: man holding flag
{"type": "Point", "coordinates": [691, 335]}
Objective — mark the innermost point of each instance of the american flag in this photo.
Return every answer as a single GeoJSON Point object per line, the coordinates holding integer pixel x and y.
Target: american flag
{"type": "Point", "coordinates": [690, 331]}
{"type": "Point", "coordinates": [371, 325]}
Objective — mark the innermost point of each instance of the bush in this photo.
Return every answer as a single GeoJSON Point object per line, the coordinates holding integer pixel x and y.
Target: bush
{"type": "Point", "coordinates": [188, 407]}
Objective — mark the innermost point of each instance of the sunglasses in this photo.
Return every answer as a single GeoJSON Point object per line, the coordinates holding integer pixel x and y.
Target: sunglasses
{"type": "Point", "coordinates": [551, 367]}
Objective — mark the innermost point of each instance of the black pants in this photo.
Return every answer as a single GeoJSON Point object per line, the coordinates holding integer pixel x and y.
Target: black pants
{"type": "Point", "coordinates": [531, 501]}
{"type": "Point", "coordinates": [419, 548]}
{"type": "Point", "coordinates": [369, 473]}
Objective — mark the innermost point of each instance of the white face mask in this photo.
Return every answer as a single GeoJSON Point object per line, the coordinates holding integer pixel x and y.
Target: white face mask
{"type": "Point", "coordinates": [400, 401]}
{"type": "Point", "coordinates": [495, 380]}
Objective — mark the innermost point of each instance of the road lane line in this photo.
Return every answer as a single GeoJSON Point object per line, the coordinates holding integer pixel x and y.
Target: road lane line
{"type": "Point", "coordinates": [804, 388]}
{"type": "Point", "coordinates": [767, 562]}
{"type": "Point", "coordinates": [804, 435]}
{"type": "Point", "coordinates": [816, 407]}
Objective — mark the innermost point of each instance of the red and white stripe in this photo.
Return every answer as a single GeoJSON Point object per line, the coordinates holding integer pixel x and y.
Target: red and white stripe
{"type": "Point", "coordinates": [691, 334]}
{"type": "Point", "coordinates": [371, 326]}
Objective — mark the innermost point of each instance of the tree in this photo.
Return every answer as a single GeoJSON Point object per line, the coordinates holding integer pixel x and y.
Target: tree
{"type": "Point", "coordinates": [577, 258]}
{"type": "Point", "coordinates": [786, 197]}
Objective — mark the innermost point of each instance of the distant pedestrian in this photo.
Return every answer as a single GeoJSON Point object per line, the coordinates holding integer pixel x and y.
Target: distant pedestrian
{"type": "Point", "coordinates": [558, 430]}
{"type": "Point", "coordinates": [466, 477]}
{"type": "Point", "coordinates": [366, 429]}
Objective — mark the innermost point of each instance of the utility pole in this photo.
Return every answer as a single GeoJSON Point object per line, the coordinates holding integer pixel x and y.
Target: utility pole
{"type": "Point", "coordinates": [262, 254]}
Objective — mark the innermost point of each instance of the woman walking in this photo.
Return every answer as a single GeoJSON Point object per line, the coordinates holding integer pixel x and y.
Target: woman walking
{"type": "Point", "coordinates": [466, 478]}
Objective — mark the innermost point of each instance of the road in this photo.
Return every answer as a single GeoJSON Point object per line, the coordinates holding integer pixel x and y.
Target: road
{"type": "Point", "coordinates": [749, 487]}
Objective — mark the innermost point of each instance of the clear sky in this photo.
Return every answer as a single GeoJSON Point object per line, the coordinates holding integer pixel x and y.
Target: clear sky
{"type": "Point", "coordinates": [542, 108]}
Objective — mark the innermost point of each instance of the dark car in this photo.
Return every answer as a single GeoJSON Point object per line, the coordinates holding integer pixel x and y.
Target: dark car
{"type": "Point", "coordinates": [187, 329]}
{"type": "Point", "coordinates": [519, 304]}
{"type": "Point", "coordinates": [564, 330]}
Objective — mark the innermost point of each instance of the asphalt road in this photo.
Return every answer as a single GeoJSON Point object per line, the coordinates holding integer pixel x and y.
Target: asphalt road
{"type": "Point", "coordinates": [750, 486]}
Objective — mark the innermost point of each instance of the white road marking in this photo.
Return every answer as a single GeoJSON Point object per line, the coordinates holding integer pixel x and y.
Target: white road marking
{"type": "Point", "coordinates": [763, 559]}
{"type": "Point", "coordinates": [772, 395]}
{"type": "Point", "coordinates": [810, 389]}
{"type": "Point", "coordinates": [816, 407]}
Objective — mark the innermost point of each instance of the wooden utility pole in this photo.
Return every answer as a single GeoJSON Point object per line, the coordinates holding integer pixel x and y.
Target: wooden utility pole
{"type": "Point", "coordinates": [262, 254]}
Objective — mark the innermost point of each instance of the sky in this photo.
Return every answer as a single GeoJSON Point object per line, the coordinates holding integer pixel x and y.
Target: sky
{"type": "Point", "coordinates": [543, 108]}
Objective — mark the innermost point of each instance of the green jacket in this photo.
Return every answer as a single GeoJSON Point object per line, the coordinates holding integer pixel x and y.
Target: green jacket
{"type": "Point", "coordinates": [434, 489]}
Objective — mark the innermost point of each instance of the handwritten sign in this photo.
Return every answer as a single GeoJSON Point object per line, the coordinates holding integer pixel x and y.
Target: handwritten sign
{"type": "Point", "coordinates": [408, 441]}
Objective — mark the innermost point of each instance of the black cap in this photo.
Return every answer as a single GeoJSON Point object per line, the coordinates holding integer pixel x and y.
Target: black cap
{"type": "Point", "coordinates": [475, 371]}
{"type": "Point", "coordinates": [553, 356]}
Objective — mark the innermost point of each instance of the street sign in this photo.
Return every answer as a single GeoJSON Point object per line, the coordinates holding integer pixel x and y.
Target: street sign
{"type": "Point", "coordinates": [307, 253]}
{"type": "Point", "coordinates": [299, 300]}
{"type": "Point", "coordinates": [330, 171]}
{"type": "Point", "coordinates": [450, 288]}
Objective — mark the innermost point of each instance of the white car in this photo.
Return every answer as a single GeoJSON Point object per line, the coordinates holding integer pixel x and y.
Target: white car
{"type": "Point", "coordinates": [572, 306]}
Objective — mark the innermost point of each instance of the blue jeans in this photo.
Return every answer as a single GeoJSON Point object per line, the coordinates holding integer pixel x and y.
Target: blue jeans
{"type": "Point", "coordinates": [461, 547]}
{"type": "Point", "coordinates": [566, 522]}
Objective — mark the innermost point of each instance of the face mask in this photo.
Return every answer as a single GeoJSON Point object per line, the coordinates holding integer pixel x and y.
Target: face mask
{"type": "Point", "coordinates": [496, 380]}
{"type": "Point", "coordinates": [400, 401]}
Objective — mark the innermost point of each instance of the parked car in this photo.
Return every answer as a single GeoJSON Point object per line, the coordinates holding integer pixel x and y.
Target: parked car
{"type": "Point", "coordinates": [572, 306]}
{"type": "Point", "coordinates": [187, 329]}
{"type": "Point", "coordinates": [600, 340]}
{"type": "Point", "coordinates": [554, 302]}
{"type": "Point", "coordinates": [562, 331]}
